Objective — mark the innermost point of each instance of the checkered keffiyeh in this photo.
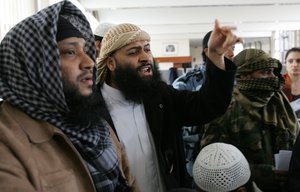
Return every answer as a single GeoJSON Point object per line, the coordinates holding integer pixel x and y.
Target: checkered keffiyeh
{"type": "Point", "coordinates": [250, 60]}
{"type": "Point", "coordinates": [30, 78]}
{"type": "Point", "coordinates": [262, 97]}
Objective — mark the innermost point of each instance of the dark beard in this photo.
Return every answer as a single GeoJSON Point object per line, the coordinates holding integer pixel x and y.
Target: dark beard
{"type": "Point", "coordinates": [84, 110]}
{"type": "Point", "coordinates": [132, 85]}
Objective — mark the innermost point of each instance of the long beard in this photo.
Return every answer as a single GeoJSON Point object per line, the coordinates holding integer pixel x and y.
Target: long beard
{"type": "Point", "coordinates": [84, 110]}
{"type": "Point", "coordinates": [132, 85]}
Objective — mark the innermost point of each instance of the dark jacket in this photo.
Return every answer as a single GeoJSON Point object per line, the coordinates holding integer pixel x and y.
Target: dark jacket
{"type": "Point", "coordinates": [168, 109]}
{"type": "Point", "coordinates": [294, 168]}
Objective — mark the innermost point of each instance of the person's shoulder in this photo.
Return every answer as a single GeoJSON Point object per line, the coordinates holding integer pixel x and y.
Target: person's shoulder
{"type": "Point", "coordinates": [285, 75]}
{"type": "Point", "coordinates": [191, 81]}
{"type": "Point", "coordinates": [287, 80]}
{"type": "Point", "coordinates": [10, 129]}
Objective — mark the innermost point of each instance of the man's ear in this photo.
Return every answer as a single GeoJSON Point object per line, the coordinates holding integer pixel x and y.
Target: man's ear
{"type": "Point", "coordinates": [205, 51]}
{"type": "Point", "coordinates": [111, 63]}
{"type": "Point", "coordinates": [98, 45]}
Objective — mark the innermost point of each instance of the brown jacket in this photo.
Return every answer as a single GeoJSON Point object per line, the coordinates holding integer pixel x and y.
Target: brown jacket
{"type": "Point", "coordinates": [36, 156]}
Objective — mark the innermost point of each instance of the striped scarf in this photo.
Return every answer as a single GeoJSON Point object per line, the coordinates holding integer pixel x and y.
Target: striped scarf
{"type": "Point", "coordinates": [30, 78]}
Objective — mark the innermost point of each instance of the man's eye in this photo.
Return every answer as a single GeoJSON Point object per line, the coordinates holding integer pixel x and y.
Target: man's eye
{"type": "Point", "coordinates": [270, 71]}
{"type": "Point", "coordinates": [70, 52]}
{"type": "Point", "coordinates": [265, 71]}
{"type": "Point", "coordinates": [132, 52]}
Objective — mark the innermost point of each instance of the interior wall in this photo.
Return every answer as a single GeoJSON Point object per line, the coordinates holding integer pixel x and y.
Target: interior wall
{"type": "Point", "coordinates": [196, 55]}
{"type": "Point", "coordinates": [182, 47]}
{"type": "Point", "coordinates": [263, 43]}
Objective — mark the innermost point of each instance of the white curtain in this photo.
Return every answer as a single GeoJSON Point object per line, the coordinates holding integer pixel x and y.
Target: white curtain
{"type": "Point", "coordinates": [13, 11]}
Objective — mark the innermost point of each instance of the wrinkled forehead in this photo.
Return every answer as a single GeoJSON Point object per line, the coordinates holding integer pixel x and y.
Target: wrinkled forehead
{"type": "Point", "coordinates": [138, 43]}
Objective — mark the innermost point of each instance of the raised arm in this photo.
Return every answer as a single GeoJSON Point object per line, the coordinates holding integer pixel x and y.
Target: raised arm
{"type": "Point", "coordinates": [220, 40]}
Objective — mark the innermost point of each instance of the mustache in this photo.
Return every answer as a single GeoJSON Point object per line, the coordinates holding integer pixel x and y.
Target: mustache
{"type": "Point", "coordinates": [86, 73]}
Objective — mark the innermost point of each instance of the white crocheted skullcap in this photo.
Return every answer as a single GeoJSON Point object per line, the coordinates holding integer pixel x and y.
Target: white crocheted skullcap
{"type": "Point", "coordinates": [103, 28]}
{"type": "Point", "coordinates": [220, 167]}
{"type": "Point", "coordinates": [116, 38]}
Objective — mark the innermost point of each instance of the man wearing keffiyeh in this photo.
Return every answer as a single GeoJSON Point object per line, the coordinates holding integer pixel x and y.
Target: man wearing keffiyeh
{"type": "Point", "coordinates": [260, 121]}
{"type": "Point", "coordinates": [147, 114]}
{"type": "Point", "coordinates": [51, 136]}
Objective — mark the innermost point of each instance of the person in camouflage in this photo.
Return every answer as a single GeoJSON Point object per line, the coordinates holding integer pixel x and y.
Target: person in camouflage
{"type": "Point", "coordinates": [260, 121]}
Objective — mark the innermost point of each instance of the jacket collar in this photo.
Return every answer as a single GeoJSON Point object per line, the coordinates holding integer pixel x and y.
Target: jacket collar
{"type": "Point", "coordinates": [38, 131]}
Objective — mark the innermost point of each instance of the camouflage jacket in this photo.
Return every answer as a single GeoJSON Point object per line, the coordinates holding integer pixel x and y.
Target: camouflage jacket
{"type": "Point", "coordinates": [257, 141]}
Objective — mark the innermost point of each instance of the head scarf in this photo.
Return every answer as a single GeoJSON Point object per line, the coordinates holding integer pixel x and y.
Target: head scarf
{"type": "Point", "coordinates": [263, 98]}
{"type": "Point", "coordinates": [30, 78]}
{"type": "Point", "coordinates": [116, 38]}
{"type": "Point", "coordinates": [65, 30]}
{"type": "Point", "coordinates": [250, 60]}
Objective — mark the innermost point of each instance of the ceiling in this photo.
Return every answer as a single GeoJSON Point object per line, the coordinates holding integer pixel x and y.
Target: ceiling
{"type": "Point", "coordinates": [192, 19]}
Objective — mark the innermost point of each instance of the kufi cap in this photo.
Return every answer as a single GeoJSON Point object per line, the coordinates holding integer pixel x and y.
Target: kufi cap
{"type": "Point", "coordinates": [116, 38]}
{"type": "Point", "coordinates": [65, 30]}
{"type": "Point", "coordinates": [250, 60]}
{"type": "Point", "coordinates": [220, 167]}
{"type": "Point", "coordinates": [101, 29]}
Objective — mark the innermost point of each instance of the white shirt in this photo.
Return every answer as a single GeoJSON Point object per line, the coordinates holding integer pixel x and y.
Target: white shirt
{"type": "Point", "coordinates": [132, 128]}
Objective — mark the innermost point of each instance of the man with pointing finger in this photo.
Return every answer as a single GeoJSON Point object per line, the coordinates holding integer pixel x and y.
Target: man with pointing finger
{"type": "Point", "coordinates": [147, 114]}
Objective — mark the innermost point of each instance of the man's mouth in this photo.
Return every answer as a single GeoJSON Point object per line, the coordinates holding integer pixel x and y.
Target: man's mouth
{"type": "Point", "coordinates": [145, 69]}
{"type": "Point", "coordinates": [88, 79]}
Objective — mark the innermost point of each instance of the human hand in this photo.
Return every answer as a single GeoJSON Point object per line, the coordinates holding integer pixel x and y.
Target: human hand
{"type": "Point", "coordinates": [220, 40]}
{"type": "Point", "coordinates": [281, 177]}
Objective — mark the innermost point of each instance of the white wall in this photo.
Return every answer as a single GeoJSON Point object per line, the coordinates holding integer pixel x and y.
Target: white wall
{"type": "Point", "coordinates": [184, 48]}
{"type": "Point", "coordinates": [196, 55]}
{"type": "Point", "coordinates": [12, 12]}
{"type": "Point", "coordinates": [182, 45]}
{"type": "Point", "coordinates": [263, 43]}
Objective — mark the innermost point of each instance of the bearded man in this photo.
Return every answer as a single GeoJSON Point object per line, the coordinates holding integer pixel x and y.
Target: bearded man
{"type": "Point", "coordinates": [52, 137]}
{"type": "Point", "coordinates": [147, 114]}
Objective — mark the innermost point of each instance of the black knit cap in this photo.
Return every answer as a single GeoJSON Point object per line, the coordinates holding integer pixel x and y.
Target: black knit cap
{"type": "Point", "coordinates": [205, 44]}
{"type": "Point", "coordinates": [98, 38]}
{"type": "Point", "coordinates": [205, 40]}
{"type": "Point", "coordinates": [65, 30]}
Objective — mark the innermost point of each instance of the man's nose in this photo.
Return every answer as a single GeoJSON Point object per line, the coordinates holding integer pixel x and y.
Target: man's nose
{"type": "Point", "coordinates": [145, 57]}
{"type": "Point", "coordinates": [87, 62]}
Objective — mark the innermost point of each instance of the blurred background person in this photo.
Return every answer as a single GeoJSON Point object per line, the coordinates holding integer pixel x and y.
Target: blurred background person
{"type": "Point", "coordinates": [99, 33]}
{"type": "Point", "coordinates": [292, 78]}
{"type": "Point", "coordinates": [193, 80]}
